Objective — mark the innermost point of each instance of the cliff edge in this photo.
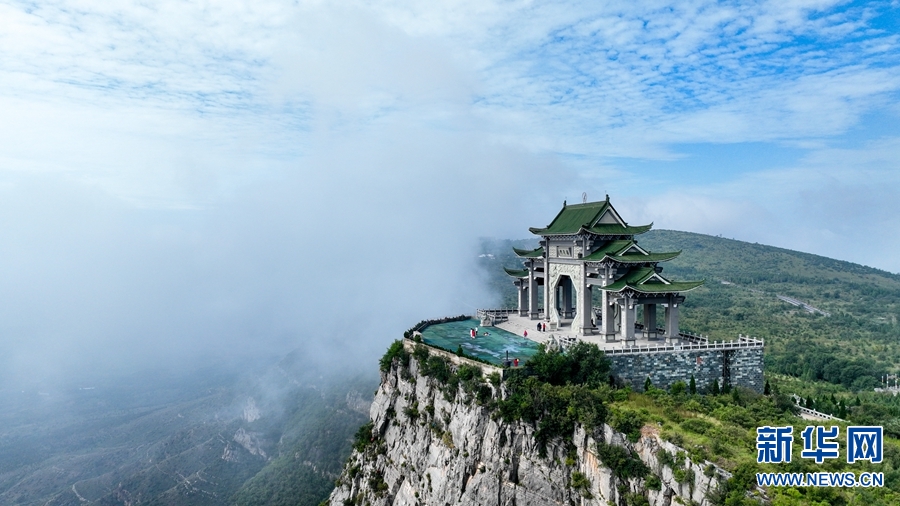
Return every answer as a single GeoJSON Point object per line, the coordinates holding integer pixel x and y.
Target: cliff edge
{"type": "Point", "coordinates": [438, 436]}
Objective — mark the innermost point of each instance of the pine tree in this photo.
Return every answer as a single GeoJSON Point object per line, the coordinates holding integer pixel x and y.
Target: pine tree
{"type": "Point", "coordinates": [647, 384]}
{"type": "Point", "coordinates": [692, 386]}
{"type": "Point", "coordinates": [715, 388]}
{"type": "Point", "coordinates": [766, 389]}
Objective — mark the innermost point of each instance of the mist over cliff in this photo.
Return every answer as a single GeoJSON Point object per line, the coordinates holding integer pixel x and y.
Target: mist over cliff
{"type": "Point", "coordinates": [335, 255]}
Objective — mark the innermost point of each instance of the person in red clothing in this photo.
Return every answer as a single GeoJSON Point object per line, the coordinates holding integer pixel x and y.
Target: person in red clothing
{"type": "Point", "coordinates": [515, 362]}
{"type": "Point", "coordinates": [526, 333]}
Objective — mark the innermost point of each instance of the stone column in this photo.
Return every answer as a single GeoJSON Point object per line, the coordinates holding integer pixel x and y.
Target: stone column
{"type": "Point", "coordinates": [532, 293]}
{"type": "Point", "coordinates": [672, 318]}
{"type": "Point", "coordinates": [548, 288]}
{"type": "Point", "coordinates": [523, 297]}
{"type": "Point", "coordinates": [650, 321]}
{"type": "Point", "coordinates": [607, 310]}
{"type": "Point", "coordinates": [585, 310]}
{"type": "Point", "coordinates": [628, 319]}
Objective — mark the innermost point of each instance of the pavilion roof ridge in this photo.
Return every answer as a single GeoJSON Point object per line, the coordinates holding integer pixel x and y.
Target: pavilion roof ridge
{"type": "Point", "coordinates": [582, 218]}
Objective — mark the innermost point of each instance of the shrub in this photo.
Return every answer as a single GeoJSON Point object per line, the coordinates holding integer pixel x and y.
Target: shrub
{"type": "Point", "coordinates": [438, 368]}
{"type": "Point", "coordinates": [621, 461]}
{"type": "Point", "coordinates": [582, 484]}
{"type": "Point", "coordinates": [629, 422]}
{"type": "Point", "coordinates": [396, 350]}
{"type": "Point", "coordinates": [581, 364]}
{"type": "Point", "coordinates": [696, 425]}
{"type": "Point", "coordinates": [363, 437]}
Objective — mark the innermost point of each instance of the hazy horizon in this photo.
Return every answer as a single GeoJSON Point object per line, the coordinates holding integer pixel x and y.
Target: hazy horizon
{"type": "Point", "coordinates": [182, 182]}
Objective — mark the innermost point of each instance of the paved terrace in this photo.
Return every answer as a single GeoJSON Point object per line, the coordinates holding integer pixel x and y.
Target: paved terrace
{"type": "Point", "coordinates": [512, 322]}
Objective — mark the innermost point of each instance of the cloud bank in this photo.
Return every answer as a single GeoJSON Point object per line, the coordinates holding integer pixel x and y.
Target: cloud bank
{"type": "Point", "coordinates": [183, 180]}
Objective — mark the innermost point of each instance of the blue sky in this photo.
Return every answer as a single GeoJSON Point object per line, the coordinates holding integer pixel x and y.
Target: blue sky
{"type": "Point", "coordinates": [253, 148]}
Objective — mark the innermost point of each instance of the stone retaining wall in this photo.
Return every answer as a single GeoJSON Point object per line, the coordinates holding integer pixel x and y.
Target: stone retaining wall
{"type": "Point", "coordinates": [665, 368]}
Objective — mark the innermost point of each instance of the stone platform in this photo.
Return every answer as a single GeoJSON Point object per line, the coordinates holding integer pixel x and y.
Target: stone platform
{"type": "Point", "coordinates": [738, 362]}
{"type": "Point", "coordinates": [519, 324]}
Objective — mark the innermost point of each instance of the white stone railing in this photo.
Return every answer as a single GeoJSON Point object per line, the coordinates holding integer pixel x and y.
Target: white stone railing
{"type": "Point", "coordinates": [495, 315]}
{"type": "Point", "coordinates": [742, 342]}
{"type": "Point", "coordinates": [818, 414]}
{"type": "Point", "coordinates": [694, 341]}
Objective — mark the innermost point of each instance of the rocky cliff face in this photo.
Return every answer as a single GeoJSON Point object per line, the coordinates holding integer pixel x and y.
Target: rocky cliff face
{"type": "Point", "coordinates": [434, 448]}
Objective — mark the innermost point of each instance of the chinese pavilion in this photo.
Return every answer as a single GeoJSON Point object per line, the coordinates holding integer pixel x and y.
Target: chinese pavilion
{"type": "Point", "coordinates": [586, 247]}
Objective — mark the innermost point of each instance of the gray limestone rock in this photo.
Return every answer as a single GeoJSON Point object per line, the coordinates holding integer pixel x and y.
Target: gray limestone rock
{"type": "Point", "coordinates": [435, 451]}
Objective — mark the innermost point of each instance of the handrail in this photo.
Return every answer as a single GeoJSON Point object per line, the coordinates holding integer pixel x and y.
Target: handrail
{"type": "Point", "coordinates": [694, 341]}
{"type": "Point", "coordinates": [742, 342]}
{"type": "Point", "coordinates": [819, 414]}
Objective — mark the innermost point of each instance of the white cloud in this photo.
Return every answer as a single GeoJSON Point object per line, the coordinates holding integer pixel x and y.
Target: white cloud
{"type": "Point", "coordinates": [180, 174]}
{"type": "Point", "coordinates": [837, 203]}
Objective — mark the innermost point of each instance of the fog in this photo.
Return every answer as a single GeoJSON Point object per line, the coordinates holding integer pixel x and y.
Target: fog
{"type": "Point", "coordinates": [337, 254]}
{"type": "Point", "coordinates": [187, 184]}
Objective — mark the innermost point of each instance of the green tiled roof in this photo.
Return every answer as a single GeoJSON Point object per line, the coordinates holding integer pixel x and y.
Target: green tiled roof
{"type": "Point", "coordinates": [614, 249]}
{"type": "Point", "coordinates": [641, 280]}
{"type": "Point", "coordinates": [609, 249]}
{"type": "Point", "coordinates": [619, 230]}
{"type": "Point", "coordinates": [572, 218]}
{"type": "Point", "coordinates": [652, 257]}
{"type": "Point", "coordinates": [529, 253]}
{"type": "Point", "coordinates": [577, 218]}
{"type": "Point", "coordinates": [516, 273]}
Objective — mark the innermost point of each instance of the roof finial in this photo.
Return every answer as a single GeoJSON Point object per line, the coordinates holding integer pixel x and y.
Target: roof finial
{"type": "Point", "coordinates": [584, 197]}
{"type": "Point", "coordinates": [607, 197]}
{"type": "Point", "coordinates": [564, 203]}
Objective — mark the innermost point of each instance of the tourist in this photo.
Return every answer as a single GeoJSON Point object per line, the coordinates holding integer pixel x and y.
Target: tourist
{"type": "Point", "coordinates": [515, 362]}
{"type": "Point", "coordinates": [539, 326]}
{"type": "Point", "coordinates": [526, 333]}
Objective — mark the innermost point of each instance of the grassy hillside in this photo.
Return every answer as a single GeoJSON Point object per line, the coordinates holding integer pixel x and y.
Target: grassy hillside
{"type": "Point", "coordinates": [853, 346]}
{"type": "Point", "coordinates": [858, 342]}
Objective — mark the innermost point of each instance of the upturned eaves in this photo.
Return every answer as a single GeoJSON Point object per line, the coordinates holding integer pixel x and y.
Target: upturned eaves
{"type": "Point", "coordinates": [516, 273]}
{"type": "Point", "coordinates": [647, 280]}
{"type": "Point", "coordinates": [529, 253]}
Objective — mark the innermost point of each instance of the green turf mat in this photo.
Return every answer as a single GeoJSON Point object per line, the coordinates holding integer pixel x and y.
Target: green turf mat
{"type": "Point", "coordinates": [491, 348]}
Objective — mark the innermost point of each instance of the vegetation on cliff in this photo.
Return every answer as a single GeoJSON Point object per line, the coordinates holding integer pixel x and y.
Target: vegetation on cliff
{"type": "Point", "coordinates": [555, 392]}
